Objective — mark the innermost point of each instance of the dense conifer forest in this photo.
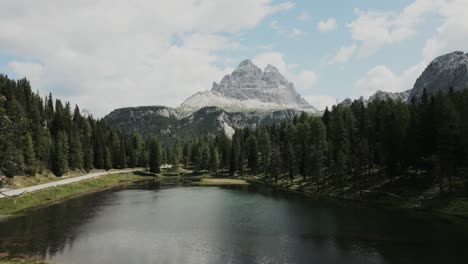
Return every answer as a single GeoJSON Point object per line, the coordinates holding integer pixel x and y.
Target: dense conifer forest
{"type": "Point", "coordinates": [425, 140]}
{"type": "Point", "coordinates": [38, 135]}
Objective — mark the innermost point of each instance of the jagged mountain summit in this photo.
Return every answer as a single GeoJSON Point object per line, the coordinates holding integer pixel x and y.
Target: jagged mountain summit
{"type": "Point", "coordinates": [449, 71]}
{"type": "Point", "coordinates": [381, 95]}
{"type": "Point", "coordinates": [248, 88]}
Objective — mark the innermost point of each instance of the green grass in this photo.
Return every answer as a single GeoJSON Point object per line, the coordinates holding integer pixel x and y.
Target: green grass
{"type": "Point", "coordinates": [43, 197]}
{"type": "Point", "coordinates": [19, 262]}
{"type": "Point", "coordinates": [220, 182]}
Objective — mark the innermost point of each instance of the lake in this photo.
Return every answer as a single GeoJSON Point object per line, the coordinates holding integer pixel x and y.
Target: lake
{"type": "Point", "coordinates": [150, 223]}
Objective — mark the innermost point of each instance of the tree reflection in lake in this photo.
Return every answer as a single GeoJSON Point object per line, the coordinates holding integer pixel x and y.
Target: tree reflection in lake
{"type": "Point", "coordinates": [150, 224]}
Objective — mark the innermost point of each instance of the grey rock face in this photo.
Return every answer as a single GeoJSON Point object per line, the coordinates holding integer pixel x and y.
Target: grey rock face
{"type": "Point", "coordinates": [249, 82]}
{"type": "Point", "coordinates": [446, 72]}
{"type": "Point", "coordinates": [382, 96]}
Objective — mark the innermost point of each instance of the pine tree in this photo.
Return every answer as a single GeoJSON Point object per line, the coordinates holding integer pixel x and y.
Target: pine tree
{"type": "Point", "coordinates": [60, 154]}
{"type": "Point", "coordinates": [155, 156]}
{"type": "Point", "coordinates": [214, 160]}
{"type": "Point", "coordinates": [186, 156]}
{"type": "Point", "coordinates": [175, 160]}
{"type": "Point", "coordinates": [88, 153]}
{"type": "Point", "coordinates": [29, 155]}
{"type": "Point", "coordinates": [233, 157]}
{"type": "Point", "coordinates": [290, 161]}
{"type": "Point", "coordinates": [275, 163]}
{"type": "Point", "coordinates": [76, 151]}
{"type": "Point", "coordinates": [265, 151]}
{"type": "Point", "coordinates": [107, 159]}
{"type": "Point", "coordinates": [252, 157]}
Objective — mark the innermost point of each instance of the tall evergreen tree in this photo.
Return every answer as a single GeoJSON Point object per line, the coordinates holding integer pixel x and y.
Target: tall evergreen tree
{"type": "Point", "coordinates": [29, 155]}
{"type": "Point", "coordinates": [252, 157]}
{"type": "Point", "coordinates": [60, 154]}
{"type": "Point", "coordinates": [155, 156]}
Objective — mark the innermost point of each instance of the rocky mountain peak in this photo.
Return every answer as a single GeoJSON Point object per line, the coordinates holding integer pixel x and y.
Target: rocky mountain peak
{"type": "Point", "coordinates": [248, 88]}
{"type": "Point", "coordinates": [249, 82]}
{"type": "Point", "coordinates": [382, 96]}
{"type": "Point", "coordinates": [449, 71]}
{"type": "Point", "coordinates": [246, 62]}
{"type": "Point", "coordinates": [271, 68]}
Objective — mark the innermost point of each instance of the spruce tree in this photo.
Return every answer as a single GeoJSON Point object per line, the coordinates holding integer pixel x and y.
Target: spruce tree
{"type": "Point", "coordinates": [155, 156]}
{"type": "Point", "coordinates": [107, 159]}
{"type": "Point", "coordinates": [252, 156]}
{"type": "Point", "coordinates": [265, 151]}
{"type": "Point", "coordinates": [60, 154]}
{"type": "Point", "coordinates": [29, 155]}
{"type": "Point", "coordinates": [214, 160]}
{"type": "Point", "coordinates": [275, 161]}
{"type": "Point", "coordinates": [76, 150]}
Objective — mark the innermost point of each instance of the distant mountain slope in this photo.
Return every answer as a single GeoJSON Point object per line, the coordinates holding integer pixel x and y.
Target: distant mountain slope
{"type": "Point", "coordinates": [249, 88]}
{"type": "Point", "coordinates": [169, 125]}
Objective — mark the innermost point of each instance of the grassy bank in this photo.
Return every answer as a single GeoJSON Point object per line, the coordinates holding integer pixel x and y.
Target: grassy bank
{"type": "Point", "coordinates": [45, 177]}
{"type": "Point", "coordinates": [20, 262]}
{"type": "Point", "coordinates": [221, 182]}
{"type": "Point", "coordinates": [43, 197]}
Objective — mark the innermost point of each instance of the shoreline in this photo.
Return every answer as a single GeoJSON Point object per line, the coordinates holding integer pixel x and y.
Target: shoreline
{"type": "Point", "coordinates": [454, 207]}
{"type": "Point", "coordinates": [442, 206]}
{"type": "Point", "coordinates": [13, 206]}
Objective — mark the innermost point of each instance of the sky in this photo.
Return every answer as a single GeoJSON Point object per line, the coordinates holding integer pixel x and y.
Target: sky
{"type": "Point", "coordinates": [104, 55]}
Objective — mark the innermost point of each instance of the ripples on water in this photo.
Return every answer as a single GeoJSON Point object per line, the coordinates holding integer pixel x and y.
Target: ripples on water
{"type": "Point", "coordinates": [149, 224]}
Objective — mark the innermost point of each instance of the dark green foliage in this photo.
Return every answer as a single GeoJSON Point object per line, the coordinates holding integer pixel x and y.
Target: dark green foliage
{"type": "Point", "coordinates": [252, 156]}
{"type": "Point", "coordinates": [154, 156]}
{"type": "Point", "coordinates": [275, 163]}
{"type": "Point", "coordinates": [214, 160]}
{"type": "Point", "coordinates": [60, 154]}
{"type": "Point", "coordinates": [76, 151]}
{"type": "Point", "coordinates": [29, 155]}
{"type": "Point", "coordinates": [37, 134]}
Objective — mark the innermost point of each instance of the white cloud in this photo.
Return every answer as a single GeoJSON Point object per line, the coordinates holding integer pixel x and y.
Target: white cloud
{"type": "Point", "coordinates": [296, 33]}
{"type": "Point", "coordinates": [303, 16]}
{"type": "Point", "coordinates": [382, 78]}
{"type": "Point", "coordinates": [321, 101]}
{"type": "Point", "coordinates": [292, 33]}
{"type": "Point", "coordinates": [275, 26]}
{"type": "Point", "coordinates": [344, 54]}
{"type": "Point", "coordinates": [128, 52]}
{"type": "Point", "coordinates": [374, 29]}
{"type": "Point", "coordinates": [209, 42]}
{"type": "Point", "coordinates": [303, 80]}
{"type": "Point", "coordinates": [273, 58]}
{"type": "Point", "coordinates": [30, 69]}
{"type": "Point", "coordinates": [327, 25]}
{"type": "Point", "coordinates": [279, 7]}
{"type": "Point", "coordinates": [450, 36]}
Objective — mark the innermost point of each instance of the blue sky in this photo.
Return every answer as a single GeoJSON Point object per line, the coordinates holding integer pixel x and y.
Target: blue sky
{"type": "Point", "coordinates": [160, 52]}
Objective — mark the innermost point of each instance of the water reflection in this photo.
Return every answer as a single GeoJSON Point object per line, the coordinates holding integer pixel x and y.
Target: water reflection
{"type": "Point", "coordinates": [151, 224]}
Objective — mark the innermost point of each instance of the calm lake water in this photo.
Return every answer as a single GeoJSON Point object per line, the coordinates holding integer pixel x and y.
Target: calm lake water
{"type": "Point", "coordinates": [150, 224]}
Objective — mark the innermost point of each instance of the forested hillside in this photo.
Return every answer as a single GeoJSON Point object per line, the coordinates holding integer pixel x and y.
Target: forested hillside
{"type": "Point", "coordinates": [39, 134]}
